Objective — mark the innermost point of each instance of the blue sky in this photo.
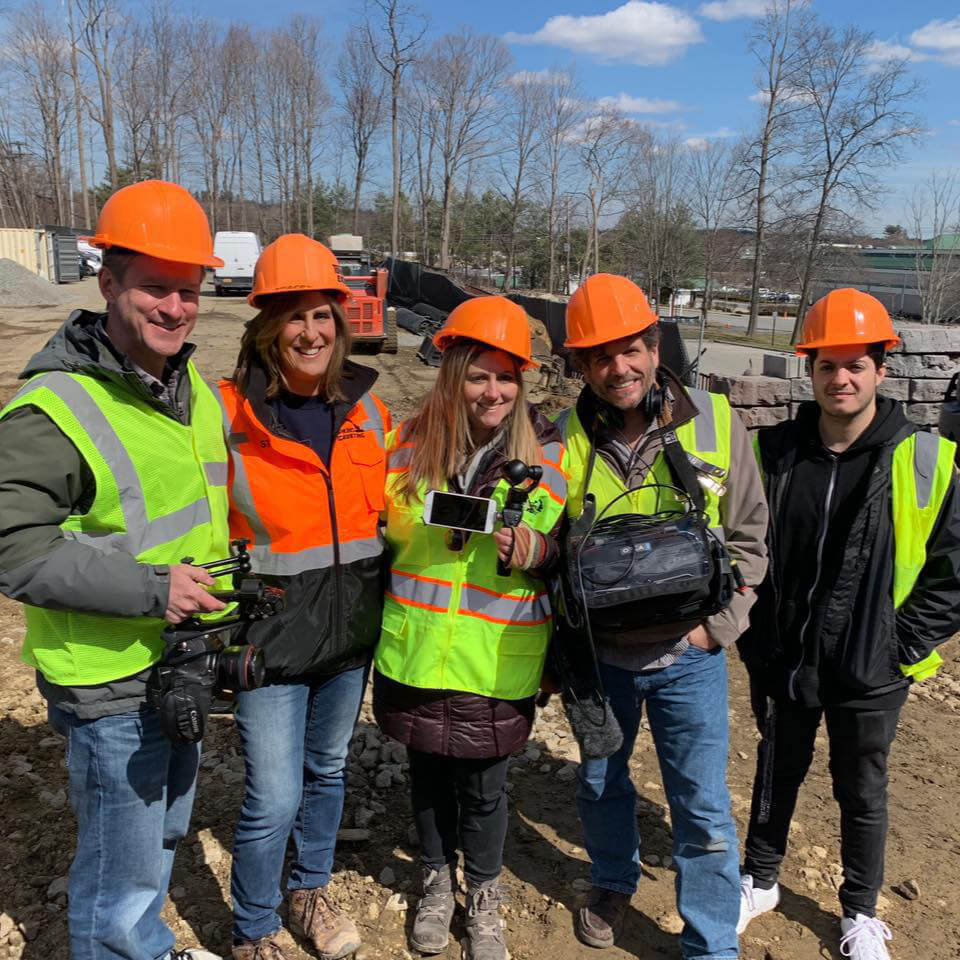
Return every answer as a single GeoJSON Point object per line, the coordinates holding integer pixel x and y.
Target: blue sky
{"type": "Point", "coordinates": [684, 65]}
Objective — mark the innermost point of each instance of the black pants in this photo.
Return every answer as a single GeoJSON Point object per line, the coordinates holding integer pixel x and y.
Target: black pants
{"type": "Point", "coordinates": [859, 745]}
{"type": "Point", "coordinates": [460, 804]}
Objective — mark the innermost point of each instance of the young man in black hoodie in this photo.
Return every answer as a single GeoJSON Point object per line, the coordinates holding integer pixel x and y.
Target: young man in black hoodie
{"type": "Point", "coordinates": [863, 585]}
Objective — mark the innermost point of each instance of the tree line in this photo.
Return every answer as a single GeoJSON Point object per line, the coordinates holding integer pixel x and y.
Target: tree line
{"type": "Point", "coordinates": [440, 146]}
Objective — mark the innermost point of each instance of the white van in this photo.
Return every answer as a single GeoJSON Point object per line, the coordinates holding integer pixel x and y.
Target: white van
{"type": "Point", "coordinates": [239, 251]}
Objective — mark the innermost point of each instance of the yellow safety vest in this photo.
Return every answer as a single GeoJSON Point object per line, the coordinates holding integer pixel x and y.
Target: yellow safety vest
{"type": "Point", "coordinates": [706, 436]}
{"type": "Point", "coordinates": [161, 495]}
{"type": "Point", "coordinates": [449, 621]}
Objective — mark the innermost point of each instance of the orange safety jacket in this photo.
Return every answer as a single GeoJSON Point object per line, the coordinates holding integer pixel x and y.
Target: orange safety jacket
{"type": "Point", "coordinates": [312, 530]}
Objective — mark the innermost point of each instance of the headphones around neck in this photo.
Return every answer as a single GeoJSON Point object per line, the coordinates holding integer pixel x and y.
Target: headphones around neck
{"type": "Point", "coordinates": [652, 403]}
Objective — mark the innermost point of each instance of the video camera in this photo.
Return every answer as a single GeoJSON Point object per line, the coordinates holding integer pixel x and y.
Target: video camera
{"type": "Point", "coordinates": [204, 658]}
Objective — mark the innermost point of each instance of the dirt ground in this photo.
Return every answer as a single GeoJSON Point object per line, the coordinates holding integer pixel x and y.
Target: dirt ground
{"type": "Point", "coordinates": [546, 867]}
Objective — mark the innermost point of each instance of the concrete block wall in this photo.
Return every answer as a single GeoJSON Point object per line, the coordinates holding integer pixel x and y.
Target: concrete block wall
{"type": "Point", "coordinates": [918, 372]}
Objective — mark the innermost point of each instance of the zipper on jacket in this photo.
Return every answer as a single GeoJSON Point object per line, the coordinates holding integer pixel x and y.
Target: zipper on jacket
{"type": "Point", "coordinates": [337, 574]}
{"type": "Point", "coordinates": [821, 540]}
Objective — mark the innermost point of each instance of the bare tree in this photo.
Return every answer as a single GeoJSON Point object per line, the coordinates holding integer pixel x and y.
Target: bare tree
{"type": "Point", "coordinates": [562, 113]}
{"type": "Point", "coordinates": [420, 118]}
{"type": "Point", "coordinates": [395, 50]}
{"type": "Point", "coordinates": [99, 21]}
{"type": "Point", "coordinates": [136, 98]}
{"type": "Point", "coordinates": [463, 72]}
{"type": "Point", "coordinates": [861, 120]}
{"type": "Point", "coordinates": [778, 46]}
{"type": "Point", "coordinates": [362, 106]}
{"type": "Point", "coordinates": [934, 209]}
{"type": "Point", "coordinates": [78, 115]}
{"type": "Point", "coordinates": [522, 128]}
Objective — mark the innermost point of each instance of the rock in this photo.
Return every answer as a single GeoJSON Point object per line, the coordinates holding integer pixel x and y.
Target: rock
{"type": "Point", "coordinates": [532, 754]}
{"type": "Point", "coordinates": [580, 884]}
{"type": "Point", "coordinates": [670, 922]}
{"type": "Point", "coordinates": [396, 904]}
{"type": "Point", "coordinates": [383, 779]}
{"type": "Point", "coordinates": [742, 755]}
{"type": "Point", "coordinates": [545, 768]}
{"type": "Point", "coordinates": [763, 416]}
{"type": "Point", "coordinates": [369, 758]}
{"type": "Point", "coordinates": [373, 913]}
{"type": "Point", "coordinates": [55, 799]}
{"type": "Point", "coordinates": [567, 773]}
{"type": "Point", "coordinates": [57, 887]}
{"type": "Point", "coordinates": [363, 817]}
{"type": "Point", "coordinates": [30, 929]}
{"type": "Point", "coordinates": [387, 876]}
{"type": "Point", "coordinates": [7, 924]}
{"type": "Point", "coordinates": [652, 860]}
{"type": "Point", "coordinates": [353, 836]}
{"type": "Point", "coordinates": [819, 852]}
{"type": "Point", "coordinates": [908, 889]}
{"type": "Point", "coordinates": [753, 391]}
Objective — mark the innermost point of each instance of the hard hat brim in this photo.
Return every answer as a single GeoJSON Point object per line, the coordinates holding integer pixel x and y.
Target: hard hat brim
{"type": "Point", "coordinates": [103, 243]}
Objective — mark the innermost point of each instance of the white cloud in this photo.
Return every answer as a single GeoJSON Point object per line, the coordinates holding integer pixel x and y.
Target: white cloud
{"type": "Point", "coordinates": [629, 104]}
{"type": "Point", "coordinates": [954, 123]}
{"type": "Point", "coordinates": [535, 76]}
{"type": "Point", "coordinates": [883, 50]}
{"type": "Point", "coordinates": [733, 9]}
{"type": "Point", "coordinates": [943, 36]}
{"type": "Point", "coordinates": [640, 32]}
{"type": "Point", "coordinates": [697, 143]}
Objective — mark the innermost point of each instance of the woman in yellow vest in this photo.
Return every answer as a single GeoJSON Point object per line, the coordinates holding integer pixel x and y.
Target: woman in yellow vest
{"type": "Point", "coordinates": [462, 648]}
{"type": "Point", "coordinates": [307, 468]}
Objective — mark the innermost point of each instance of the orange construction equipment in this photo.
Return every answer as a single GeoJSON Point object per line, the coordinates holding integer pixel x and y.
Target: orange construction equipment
{"type": "Point", "coordinates": [158, 219]}
{"type": "Point", "coordinates": [846, 318]}
{"type": "Point", "coordinates": [606, 307]}
{"type": "Point", "coordinates": [495, 321]}
{"type": "Point", "coordinates": [294, 263]}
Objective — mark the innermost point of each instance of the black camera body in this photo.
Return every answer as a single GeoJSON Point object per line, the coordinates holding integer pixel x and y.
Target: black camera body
{"type": "Point", "coordinates": [203, 659]}
{"type": "Point", "coordinates": [522, 478]}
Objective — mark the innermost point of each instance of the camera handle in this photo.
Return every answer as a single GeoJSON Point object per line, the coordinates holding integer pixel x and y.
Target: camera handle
{"type": "Point", "coordinates": [516, 472]}
{"type": "Point", "coordinates": [235, 565]}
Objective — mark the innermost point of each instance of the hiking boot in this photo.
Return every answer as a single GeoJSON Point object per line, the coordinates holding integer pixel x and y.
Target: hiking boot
{"type": "Point", "coordinates": [315, 917]}
{"type": "Point", "coordinates": [862, 938]}
{"type": "Point", "coordinates": [431, 926]}
{"type": "Point", "coordinates": [266, 948]}
{"type": "Point", "coordinates": [599, 923]}
{"type": "Point", "coordinates": [755, 901]}
{"type": "Point", "coordinates": [484, 928]}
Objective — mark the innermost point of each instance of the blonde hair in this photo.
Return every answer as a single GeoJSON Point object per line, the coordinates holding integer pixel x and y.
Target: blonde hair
{"type": "Point", "coordinates": [440, 429]}
{"type": "Point", "coordinates": [259, 346]}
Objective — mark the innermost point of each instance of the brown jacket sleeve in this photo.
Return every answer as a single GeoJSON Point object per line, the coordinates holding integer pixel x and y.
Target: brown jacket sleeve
{"type": "Point", "coordinates": [744, 515]}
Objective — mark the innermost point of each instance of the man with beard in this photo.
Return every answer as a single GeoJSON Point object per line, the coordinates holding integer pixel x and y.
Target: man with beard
{"type": "Point", "coordinates": [633, 437]}
{"type": "Point", "coordinates": [863, 585]}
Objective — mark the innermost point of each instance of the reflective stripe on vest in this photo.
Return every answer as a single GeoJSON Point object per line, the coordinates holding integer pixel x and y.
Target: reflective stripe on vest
{"type": "Point", "coordinates": [921, 474]}
{"type": "Point", "coordinates": [283, 508]}
{"type": "Point", "coordinates": [706, 436]}
{"type": "Point", "coordinates": [450, 622]}
{"type": "Point", "coordinates": [160, 495]}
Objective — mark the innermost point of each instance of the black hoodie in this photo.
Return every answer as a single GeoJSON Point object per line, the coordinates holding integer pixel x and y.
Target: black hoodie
{"type": "Point", "coordinates": [824, 629]}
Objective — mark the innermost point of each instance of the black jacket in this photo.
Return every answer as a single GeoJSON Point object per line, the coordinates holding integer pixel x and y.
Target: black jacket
{"type": "Point", "coordinates": [331, 616]}
{"type": "Point", "coordinates": [824, 629]}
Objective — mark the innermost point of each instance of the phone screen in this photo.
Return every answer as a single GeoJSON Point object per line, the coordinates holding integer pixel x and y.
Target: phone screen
{"type": "Point", "coordinates": [457, 510]}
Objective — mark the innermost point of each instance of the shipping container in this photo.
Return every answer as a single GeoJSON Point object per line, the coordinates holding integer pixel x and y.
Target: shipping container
{"type": "Point", "coordinates": [28, 248]}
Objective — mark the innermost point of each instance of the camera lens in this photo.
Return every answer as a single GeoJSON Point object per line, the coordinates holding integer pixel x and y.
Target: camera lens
{"type": "Point", "coordinates": [240, 668]}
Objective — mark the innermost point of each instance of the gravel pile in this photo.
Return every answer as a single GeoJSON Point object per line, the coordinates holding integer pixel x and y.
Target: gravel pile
{"type": "Point", "coordinates": [20, 287]}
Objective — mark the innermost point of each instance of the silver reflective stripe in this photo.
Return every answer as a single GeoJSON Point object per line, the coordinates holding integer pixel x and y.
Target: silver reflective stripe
{"type": "Point", "coordinates": [216, 472]}
{"type": "Point", "coordinates": [405, 587]}
{"type": "Point", "coordinates": [264, 560]}
{"type": "Point", "coordinates": [527, 611]}
{"type": "Point", "coordinates": [400, 458]}
{"type": "Point", "coordinates": [176, 524]}
{"type": "Point", "coordinates": [925, 452]}
{"type": "Point", "coordinates": [563, 420]}
{"type": "Point", "coordinates": [704, 423]}
{"type": "Point", "coordinates": [555, 480]}
{"type": "Point", "coordinates": [105, 439]}
{"type": "Point", "coordinates": [354, 550]}
{"type": "Point", "coordinates": [553, 451]}
{"type": "Point", "coordinates": [375, 421]}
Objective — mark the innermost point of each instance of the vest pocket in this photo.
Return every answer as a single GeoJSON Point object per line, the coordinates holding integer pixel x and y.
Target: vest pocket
{"type": "Point", "coordinates": [370, 463]}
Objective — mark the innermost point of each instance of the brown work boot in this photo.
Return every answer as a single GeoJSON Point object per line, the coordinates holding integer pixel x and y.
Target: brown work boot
{"type": "Point", "coordinates": [315, 917]}
{"type": "Point", "coordinates": [266, 948]}
{"type": "Point", "coordinates": [599, 923]}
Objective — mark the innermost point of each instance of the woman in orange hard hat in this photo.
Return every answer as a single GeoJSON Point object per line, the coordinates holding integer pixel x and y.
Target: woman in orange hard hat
{"type": "Point", "coordinates": [306, 440]}
{"type": "Point", "coordinates": [462, 646]}
{"type": "Point", "coordinates": [863, 586]}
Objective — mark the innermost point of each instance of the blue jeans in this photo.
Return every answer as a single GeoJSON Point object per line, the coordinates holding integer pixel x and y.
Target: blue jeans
{"type": "Point", "coordinates": [131, 790]}
{"type": "Point", "coordinates": [295, 741]}
{"type": "Point", "coordinates": [687, 712]}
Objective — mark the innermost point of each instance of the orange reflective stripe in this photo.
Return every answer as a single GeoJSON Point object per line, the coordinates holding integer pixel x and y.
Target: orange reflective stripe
{"type": "Point", "coordinates": [427, 593]}
{"type": "Point", "coordinates": [528, 611]}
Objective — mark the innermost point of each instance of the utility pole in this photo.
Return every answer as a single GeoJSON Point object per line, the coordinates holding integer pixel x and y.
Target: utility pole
{"type": "Point", "coordinates": [566, 250]}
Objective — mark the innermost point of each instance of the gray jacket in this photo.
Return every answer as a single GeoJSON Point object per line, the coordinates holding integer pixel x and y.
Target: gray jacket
{"type": "Point", "coordinates": [44, 479]}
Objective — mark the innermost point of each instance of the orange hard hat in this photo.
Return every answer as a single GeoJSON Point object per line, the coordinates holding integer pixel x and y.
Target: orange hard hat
{"type": "Point", "coordinates": [159, 219]}
{"type": "Point", "coordinates": [294, 263]}
{"type": "Point", "coordinates": [847, 317]}
{"type": "Point", "coordinates": [495, 321]}
{"type": "Point", "coordinates": [606, 307]}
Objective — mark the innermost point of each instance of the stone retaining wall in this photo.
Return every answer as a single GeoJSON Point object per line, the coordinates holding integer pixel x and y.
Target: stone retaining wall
{"type": "Point", "coordinates": [918, 372]}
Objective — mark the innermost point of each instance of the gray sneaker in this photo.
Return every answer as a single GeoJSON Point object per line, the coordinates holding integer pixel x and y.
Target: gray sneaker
{"type": "Point", "coordinates": [431, 926]}
{"type": "Point", "coordinates": [484, 928]}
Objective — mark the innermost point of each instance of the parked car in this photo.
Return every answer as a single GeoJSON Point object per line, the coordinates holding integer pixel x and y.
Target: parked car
{"type": "Point", "coordinates": [239, 251]}
{"type": "Point", "coordinates": [89, 264]}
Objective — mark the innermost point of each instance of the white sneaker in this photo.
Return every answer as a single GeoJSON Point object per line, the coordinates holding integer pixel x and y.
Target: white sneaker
{"type": "Point", "coordinates": [754, 901]}
{"type": "Point", "coordinates": [863, 938]}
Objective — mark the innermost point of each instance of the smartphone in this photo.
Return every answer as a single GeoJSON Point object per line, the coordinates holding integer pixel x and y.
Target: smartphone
{"type": "Point", "coordinates": [457, 510]}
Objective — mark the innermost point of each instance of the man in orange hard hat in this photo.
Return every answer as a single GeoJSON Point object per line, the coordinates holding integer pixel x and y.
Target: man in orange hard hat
{"type": "Point", "coordinates": [863, 586]}
{"type": "Point", "coordinates": [114, 469]}
{"type": "Point", "coordinates": [644, 446]}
